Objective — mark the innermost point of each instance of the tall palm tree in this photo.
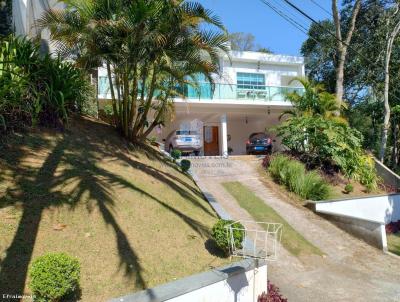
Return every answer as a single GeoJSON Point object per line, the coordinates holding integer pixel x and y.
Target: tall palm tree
{"type": "Point", "coordinates": [149, 47]}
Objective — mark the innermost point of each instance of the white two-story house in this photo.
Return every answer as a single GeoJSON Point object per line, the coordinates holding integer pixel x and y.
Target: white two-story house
{"type": "Point", "coordinates": [248, 97]}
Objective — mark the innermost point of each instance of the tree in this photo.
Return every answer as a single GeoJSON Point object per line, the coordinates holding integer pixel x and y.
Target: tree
{"type": "Point", "coordinates": [342, 45]}
{"type": "Point", "coordinates": [246, 42]}
{"type": "Point", "coordinates": [241, 41]}
{"type": "Point", "coordinates": [320, 52]}
{"type": "Point", "coordinates": [392, 34]}
{"type": "Point", "coordinates": [149, 47]}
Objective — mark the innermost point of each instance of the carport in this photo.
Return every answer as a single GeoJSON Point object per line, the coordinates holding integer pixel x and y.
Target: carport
{"type": "Point", "coordinates": [224, 128]}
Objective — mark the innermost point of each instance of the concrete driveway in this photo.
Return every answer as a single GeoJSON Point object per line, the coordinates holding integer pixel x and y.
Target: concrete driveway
{"type": "Point", "coordinates": [351, 270]}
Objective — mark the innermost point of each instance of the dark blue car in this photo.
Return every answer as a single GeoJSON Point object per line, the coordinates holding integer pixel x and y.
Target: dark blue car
{"type": "Point", "coordinates": [259, 143]}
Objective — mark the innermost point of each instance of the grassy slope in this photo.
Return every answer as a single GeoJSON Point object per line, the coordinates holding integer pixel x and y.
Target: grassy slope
{"type": "Point", "coordinates": [394, 243]}
{"type": "Point", "coordinates": [133, 220]}
{"type": "Point", "coordinates": [294, 242]}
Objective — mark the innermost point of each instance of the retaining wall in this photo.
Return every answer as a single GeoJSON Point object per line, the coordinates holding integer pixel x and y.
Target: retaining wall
{"type": "Point", "coordinates": [364, 217]}
{"type": "Point", "coordinates": [240, 282]}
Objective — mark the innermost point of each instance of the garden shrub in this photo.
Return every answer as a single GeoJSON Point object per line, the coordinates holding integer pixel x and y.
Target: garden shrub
{"type": "Point", "coordinates": [314, 187]}
{"type": "Point", "coordinates": [276, 167]}
{"type": "Point", "coordinates": [272, 295]}
{"type": "Point", "coordinates": [348, 188]}
{"type": "Point", "coordinates": [38, 89]}
{"type": "Point", "coordinates": [176, 154]}
{"type": "Point", "coordinates": [319, 141]}
{"type": "Point", "coordinates": [54, 276]}
{"type": "Point", "coordinates": [185, 165]}
{"type": "Point", "coordinates": [293, 174]}
{"type": "Point", "coordinates": [220, 234]}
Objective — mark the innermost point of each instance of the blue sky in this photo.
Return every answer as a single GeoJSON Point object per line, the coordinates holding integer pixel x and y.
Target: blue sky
{"type": "Point", "coordinates": [269, 28]}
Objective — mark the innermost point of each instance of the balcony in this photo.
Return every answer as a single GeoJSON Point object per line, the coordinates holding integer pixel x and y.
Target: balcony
{"type": "Point", "coordinates": [222, 92]}
{"type": "Point", "coordinates": [239, 92]}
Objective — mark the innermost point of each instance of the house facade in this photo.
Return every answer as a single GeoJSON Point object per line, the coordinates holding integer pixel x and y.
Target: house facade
{"type": "Point", "coordinates": [248, 97]}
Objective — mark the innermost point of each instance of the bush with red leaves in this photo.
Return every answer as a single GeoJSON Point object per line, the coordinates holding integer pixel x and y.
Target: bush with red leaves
{"type": "Point", "coordinates": [393, 227]}
{"type": "Point", "coordinates": [273, 295]}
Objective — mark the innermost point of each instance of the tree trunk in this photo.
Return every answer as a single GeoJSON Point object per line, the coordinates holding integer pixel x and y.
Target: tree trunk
{"type": "Point", "coordinates": [342, 46]}
{"type": "Point", "coordinates": [386, 121]}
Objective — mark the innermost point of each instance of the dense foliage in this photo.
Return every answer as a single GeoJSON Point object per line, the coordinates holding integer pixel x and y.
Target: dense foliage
{"type": "Point", "coordinates": [176, 154]}
{"type": "Point", "coordinates": [221, 234]}
{"type": "Point", "coordinates": [6, 17]}
{"type": "Point", "coordinates": [54, 276]}
{"type": "Point", "coordinates": [364, 70]}
{"type": "Point", "coordinates": [293, 175]}
{"type": "Point", "coordinates": [149, 47]}
{"type": "Point", "coordinates": [38, 89]}
{"type": "Point", "coordinates": [320, 138]}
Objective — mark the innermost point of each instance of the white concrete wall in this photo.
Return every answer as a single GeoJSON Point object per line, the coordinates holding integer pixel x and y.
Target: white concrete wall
{"type": "Point", "coordinates": [243, 287]}
{"type": "Point", "coordinates": [242, 281]}
{"type": "Point", "coordinates": [273, 72]}
{"type": "Point", "coordinates": [382, 209]}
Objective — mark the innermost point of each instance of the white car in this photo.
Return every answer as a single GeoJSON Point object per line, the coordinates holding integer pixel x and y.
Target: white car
{"type": "Point", "coordinates": [187, 141]}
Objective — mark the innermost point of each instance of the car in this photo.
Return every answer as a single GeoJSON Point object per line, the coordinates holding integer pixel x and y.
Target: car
{"type": "Point", "coordinates": [187, 141]}
{"type": "Point", "coordinates": [259, 143]}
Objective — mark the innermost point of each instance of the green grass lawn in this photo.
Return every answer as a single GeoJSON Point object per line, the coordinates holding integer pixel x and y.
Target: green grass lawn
{"type": "Point", "coordinates": [394, 243]}
{"type": "Point", "coordinates": [131, 218]}
{"type": "Point", "coordinates": [294, 242]}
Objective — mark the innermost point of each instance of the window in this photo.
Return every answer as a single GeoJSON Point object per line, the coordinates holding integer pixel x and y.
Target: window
{"type": "Point", "coordinates": [250, 81]}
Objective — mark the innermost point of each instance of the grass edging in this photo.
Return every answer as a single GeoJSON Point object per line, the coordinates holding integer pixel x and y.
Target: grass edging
{"type": "Point", "coordinates": [294, 242]}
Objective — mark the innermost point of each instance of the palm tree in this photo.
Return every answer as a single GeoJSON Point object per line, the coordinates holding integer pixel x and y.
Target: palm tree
{"type": "Point", "coordinates": [149, 47]}
{"type": "Point", "coordinates": [315, 101]}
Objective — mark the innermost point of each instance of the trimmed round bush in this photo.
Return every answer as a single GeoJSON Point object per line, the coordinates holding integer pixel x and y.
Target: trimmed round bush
{"type": "Point", "coordinates": [176, 154]}
{"type": "Point", "coordinates": [54, 276]}
{"type": "Point", "coordinates": [185, 165]}
{"type": "Point", "coordinates": [221, 234]}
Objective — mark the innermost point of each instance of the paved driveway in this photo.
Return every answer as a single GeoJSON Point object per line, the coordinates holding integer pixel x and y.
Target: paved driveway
{"type": "Point", "coordinates": [351, 270]}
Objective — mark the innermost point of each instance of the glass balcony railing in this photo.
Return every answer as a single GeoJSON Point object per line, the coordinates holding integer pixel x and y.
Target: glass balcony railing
{"type": "Point", "coordinates": [222, 91]}
{"type": "Point", "coordinates": [239, 92]}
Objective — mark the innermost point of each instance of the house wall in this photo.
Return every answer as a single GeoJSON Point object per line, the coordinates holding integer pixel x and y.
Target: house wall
{"type": "Point", "coordinates": [275, 75]}
{"type": "Point", "coordinates": [25, 15]}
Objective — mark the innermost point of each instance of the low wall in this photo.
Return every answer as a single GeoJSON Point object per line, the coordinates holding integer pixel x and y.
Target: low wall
{"type": "Point", "coordinates": [371, 232]}
{"type": "Point", "coordinates": [240, 282]}
{"type": "Point", "coordinates": [388, 176]}
{"type": "Point", "coordinates": [364, 217]}
{"type": "Point", "coordinates": [382, 209]}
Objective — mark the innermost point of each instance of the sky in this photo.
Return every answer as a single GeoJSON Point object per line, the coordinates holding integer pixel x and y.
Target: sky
{"type": "Point", "coordinates": [270, 29]}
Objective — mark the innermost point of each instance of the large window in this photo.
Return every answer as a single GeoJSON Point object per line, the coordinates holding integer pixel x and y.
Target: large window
{"type": "Point", "coordinates": [250, 80]}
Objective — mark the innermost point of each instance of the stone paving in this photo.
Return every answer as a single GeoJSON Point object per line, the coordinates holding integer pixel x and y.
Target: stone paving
{"type": "Point", "coordinates": [350, 270]}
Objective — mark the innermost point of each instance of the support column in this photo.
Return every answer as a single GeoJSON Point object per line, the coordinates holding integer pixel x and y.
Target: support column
{"type": "Point", "coordinates": [224, 135]}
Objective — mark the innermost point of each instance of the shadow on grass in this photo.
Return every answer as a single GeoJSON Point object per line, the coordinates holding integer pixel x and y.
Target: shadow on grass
{"type": "Point", "coordinates": [213, 249]}
{"type": "Point", "coordinates": [78, 151]}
